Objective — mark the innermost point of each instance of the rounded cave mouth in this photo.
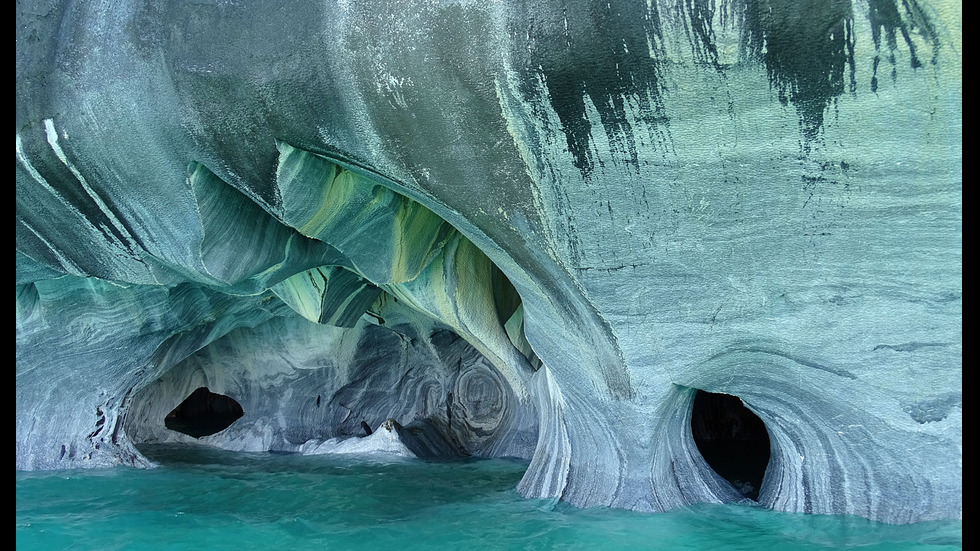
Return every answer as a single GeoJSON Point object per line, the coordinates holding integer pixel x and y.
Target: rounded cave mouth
{"type": "Point", "coordinates": [203, 413]}
{"type": "Point", "coordinates": [732, 440]}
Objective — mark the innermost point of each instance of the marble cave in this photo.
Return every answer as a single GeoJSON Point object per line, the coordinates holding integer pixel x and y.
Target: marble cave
{"type": "Point", "coordinates": [666, 252]}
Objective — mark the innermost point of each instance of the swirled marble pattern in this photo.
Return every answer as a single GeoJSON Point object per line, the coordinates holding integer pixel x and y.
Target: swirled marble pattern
{"type": "Point", "coordinates": [528, 228]}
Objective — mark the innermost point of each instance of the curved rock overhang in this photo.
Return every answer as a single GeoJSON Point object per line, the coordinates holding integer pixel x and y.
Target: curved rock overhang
{"type": "Point", "coordinates": [683, 196]}
{"type": "Point", "coordinates": [395, 267]}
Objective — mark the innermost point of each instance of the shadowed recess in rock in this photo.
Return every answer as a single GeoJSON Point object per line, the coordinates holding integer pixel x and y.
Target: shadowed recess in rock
{"type": "Point", "coordinates": [204, 413]}
{"type": "Point", "coordinates": [375, 215]}
{"type": "Point", "coordinates": [732, 440]}
{"type": "Point", "coordinates": [400, 277]}
{"type": "Point", "coordinates": [401, 247]}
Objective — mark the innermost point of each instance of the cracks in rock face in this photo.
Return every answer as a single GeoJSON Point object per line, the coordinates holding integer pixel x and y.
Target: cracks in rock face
{"type": "Point", "coordinates": [449, 410]}
{"type": "Point", "coordinates": [98, 424]}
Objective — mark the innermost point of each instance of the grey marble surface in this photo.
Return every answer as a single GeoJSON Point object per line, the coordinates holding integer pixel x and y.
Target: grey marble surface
{"type": "Point", "coordinates": [570, 217]}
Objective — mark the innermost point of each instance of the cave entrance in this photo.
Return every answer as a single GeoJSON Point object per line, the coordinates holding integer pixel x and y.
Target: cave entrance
{"type": "Point", "coordinates": [203, 413]}
{"type": "Point", "coordinates": [732, 440]}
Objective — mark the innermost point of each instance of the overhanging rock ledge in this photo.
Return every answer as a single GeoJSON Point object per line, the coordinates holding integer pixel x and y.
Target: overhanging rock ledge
{"type": "Point", "coordinates": [516, 229]}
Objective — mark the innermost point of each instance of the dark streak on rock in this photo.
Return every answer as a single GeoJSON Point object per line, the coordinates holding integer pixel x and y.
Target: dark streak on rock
{"type": "Point", "coordinates": [609, 269]}
{"type": "Point", "coordinates": [805, 44]}
{"type": "Point", "coordinates": [99, 423]}
{"type": "Point", "coordinates": [117, 424]}
{"type": "Point", "coordinates": [599, 49]}
{"type": "Point", "coordinates": [807, 501]}
{"type": "Point", "coordinates": [884, 16]}
{"type": "Point", "coordinates": [449, 409]}
{"type": "Point", "coordinates": [697, 24]}
{"type": "Point", "coordinates": [807, 363]}
{"type": "Point", "coordinates": [673, 471]}
{"type": "Point", "coordinates": [602, 49]}
{"type": "Point", "coordinates": [931, 411]}
{"type": "Point", "coordinates": [909, 346]}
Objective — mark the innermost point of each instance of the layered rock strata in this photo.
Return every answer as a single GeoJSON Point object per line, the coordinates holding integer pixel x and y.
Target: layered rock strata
{"type": "Point", "coordinates": [569, 216]}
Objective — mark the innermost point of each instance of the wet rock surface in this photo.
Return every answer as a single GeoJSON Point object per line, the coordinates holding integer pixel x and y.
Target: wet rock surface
{"type": "Point", "coordinates": [514, 229]}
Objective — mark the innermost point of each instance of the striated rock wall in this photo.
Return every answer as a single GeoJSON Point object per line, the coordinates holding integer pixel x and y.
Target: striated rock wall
{"type": "Point", "coordinates": [301, 384]}
{"type": "Point", "coordinates": [574, 215]}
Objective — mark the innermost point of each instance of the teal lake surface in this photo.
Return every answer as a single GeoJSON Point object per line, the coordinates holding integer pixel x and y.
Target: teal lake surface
{"type": "Point", "coordinates": [209, 499]}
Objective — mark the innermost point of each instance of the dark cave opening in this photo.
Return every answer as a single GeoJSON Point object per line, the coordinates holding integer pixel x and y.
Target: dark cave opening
{"type": "Point", "coordinates": [203, 413]}
{"type": "Point", "coordinates": [732, 440]}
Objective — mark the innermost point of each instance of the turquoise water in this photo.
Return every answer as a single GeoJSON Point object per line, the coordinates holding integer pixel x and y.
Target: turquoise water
{"type": "Point", "coordinates": [208, 499]}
